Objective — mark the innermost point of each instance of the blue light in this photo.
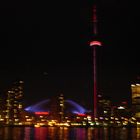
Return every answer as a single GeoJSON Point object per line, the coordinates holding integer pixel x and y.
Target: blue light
{"type": "Point", "coordinates": [43, 106]}
{"type": "Point", "coordinates": [78, 108]}
{"type": "Point", "coordinates": [38, 107]}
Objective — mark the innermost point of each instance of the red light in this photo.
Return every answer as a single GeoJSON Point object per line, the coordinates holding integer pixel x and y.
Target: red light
{"type": "Point", "coordinates": [80, 114]}
{"type": "Point", "coordinates": [124, 102]}
{"type": "Point", "coordinates": [114, 107]}
{"type": "Point", "coordinates": [42, 113]}
{"type": "Point", "coordinates": [95, 43]}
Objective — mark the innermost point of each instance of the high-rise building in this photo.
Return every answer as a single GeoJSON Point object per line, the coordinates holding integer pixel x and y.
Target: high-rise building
{"type": "Point", "coordinates": [104, 106]}
{"type": "Point", "coordinates": [14, 105]}
{"type": "Point", "coordinates": [57, 108]}
{"type": "Point", "coordinates": [2, 108]}
{"type": "Point", "coordinates": [61, 104]}
{"type": "Point", "coordinates": [135, 88]}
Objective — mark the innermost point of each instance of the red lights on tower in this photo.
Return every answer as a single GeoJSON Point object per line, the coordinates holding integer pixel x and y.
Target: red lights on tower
{"type": "Point", "coordinates": [94, 44]}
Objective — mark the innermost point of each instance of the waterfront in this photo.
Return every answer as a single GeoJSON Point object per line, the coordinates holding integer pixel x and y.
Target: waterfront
{"type": "Point", "coordinates": [65, 133]}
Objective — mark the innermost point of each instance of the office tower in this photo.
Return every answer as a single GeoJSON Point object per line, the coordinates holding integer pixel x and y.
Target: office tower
{"type": "Point", "coordinates": [104, 106]}
{"type": "Point", "coordinates": [14, 105]}
{"type": "Point", "coordinates": [61, 104]}
{"type": "Point", "coordinates": [135, 88]}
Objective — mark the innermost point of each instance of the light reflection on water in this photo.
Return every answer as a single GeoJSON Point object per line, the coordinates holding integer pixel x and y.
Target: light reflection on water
{"type": "Point", "coordinates": [64, 133]}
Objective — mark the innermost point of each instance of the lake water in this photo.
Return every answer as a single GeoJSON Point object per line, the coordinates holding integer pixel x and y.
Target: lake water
{"type": "Point", "coordinates": [64, 133]}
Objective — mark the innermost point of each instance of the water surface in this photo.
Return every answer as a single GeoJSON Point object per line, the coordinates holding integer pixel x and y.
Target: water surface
{"type": "Point", "coordinates": [64, 133]}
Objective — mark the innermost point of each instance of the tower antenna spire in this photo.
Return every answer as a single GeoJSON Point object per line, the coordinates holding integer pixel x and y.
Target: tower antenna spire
{"type": "Point", "coordinates": [94, 20]}
{"type": "Point", "coordinates": [94, 44]}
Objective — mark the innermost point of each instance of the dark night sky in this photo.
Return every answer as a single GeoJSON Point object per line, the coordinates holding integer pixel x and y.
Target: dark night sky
{"type": "Point", "coordinates": [46, 45]}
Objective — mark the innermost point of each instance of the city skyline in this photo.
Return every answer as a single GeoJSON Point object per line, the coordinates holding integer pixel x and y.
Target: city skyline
{"type": "Point", "coordinates": [48, 47]}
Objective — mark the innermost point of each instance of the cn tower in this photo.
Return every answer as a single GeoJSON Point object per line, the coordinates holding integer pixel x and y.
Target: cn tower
{"type": "Point", "coordinates": [94, 44]}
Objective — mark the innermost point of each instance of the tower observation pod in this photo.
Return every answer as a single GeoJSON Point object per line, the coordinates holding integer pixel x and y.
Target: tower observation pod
{"type": "Point", "coordinates": [94, 44]}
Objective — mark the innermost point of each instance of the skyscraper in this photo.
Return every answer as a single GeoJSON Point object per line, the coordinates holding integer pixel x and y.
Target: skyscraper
{"type": "Point", "coordinates": [135, 88]}
{"type": "Point", "coordinates": [61, 104]}
{"type": "Point", "coordinates": [14, 105]}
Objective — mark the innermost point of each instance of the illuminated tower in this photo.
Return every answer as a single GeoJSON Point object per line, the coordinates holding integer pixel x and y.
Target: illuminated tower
{"type": "Point", "coordinates": [94, 44]}
{"type": "Point", "coordinates": [61, 110]}
{"type": "Point", "coordinates": [135, 88]}
{"type": "Point", "coordinates": [14, 103]}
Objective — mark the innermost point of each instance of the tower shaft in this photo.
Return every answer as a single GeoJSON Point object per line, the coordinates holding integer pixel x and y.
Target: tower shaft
{"type": "Point", "coordinates": [95, 83]}
{"type": "Point", "coordinates": [94, 44]}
